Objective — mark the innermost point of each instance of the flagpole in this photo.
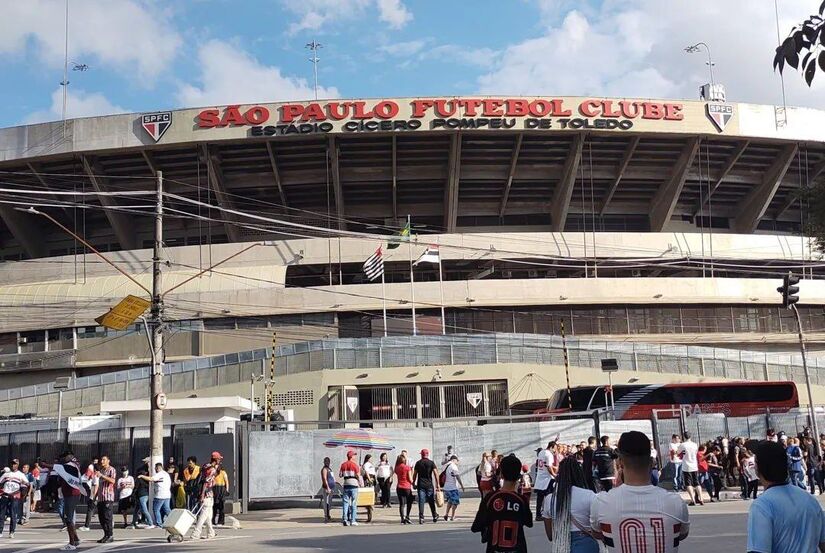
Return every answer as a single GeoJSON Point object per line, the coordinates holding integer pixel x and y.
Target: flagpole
{"type": "Point", "coordinates": [412, 277]}
{"type": "Point", "coordinates": [384, 301]}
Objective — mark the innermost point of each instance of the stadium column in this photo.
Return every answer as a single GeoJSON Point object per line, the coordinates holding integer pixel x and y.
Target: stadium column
{"type": "Point", "coordinates": [626, 157]}
{"type": "Point", "coordinates": [731, 161]}
{"type": "Point", "coordinates": [663, 204]}
{"type": "Point", "coordinates": [216, 183]}
{"type": "Point", "coordinates": [338, 192]}
{"type": "Point", "coordinates": [564, 188]}
{"type": "Point", "coordinates": [122, 225]}
{"type": "Point", "coordinates": [270, 150]}
{"type": "Point", "coordinates": [818, 169]}
{"type": "Point", "coordinates": [25, 230]}
{"type": "Point", "coordinates": [509, 184]}
{"type": "Point", "coordinates": [756, 203]}
{"type": "Point", "coordinates": [453, 179]}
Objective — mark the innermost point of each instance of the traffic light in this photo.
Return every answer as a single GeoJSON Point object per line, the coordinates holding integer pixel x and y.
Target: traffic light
{"type": "Point", "coordinates": [789, 290]}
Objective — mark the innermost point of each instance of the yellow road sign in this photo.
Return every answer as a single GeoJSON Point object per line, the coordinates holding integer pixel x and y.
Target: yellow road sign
{"type": "Point", "coordinates": [124, 313]}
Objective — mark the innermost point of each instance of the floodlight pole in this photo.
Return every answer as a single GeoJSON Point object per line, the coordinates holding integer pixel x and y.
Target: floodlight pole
{"type": "Point", "coordinates": [814, 425]}
{"type": "Point", "coordinates": [156, 397]}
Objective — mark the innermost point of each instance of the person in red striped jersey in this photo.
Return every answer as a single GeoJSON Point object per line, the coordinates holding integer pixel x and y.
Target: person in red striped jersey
{"type": "Point", "coordinates": [636, 516]}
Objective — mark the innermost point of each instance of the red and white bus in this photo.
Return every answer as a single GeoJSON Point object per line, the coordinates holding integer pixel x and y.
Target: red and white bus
{"type": "Point", "coordinates": [638, 401]}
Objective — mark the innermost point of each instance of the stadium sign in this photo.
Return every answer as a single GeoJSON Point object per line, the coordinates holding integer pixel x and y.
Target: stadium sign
{"type": "Point", "coordinates": [353, 116]}
{"type": "Point", "coordinates": [156, 124]}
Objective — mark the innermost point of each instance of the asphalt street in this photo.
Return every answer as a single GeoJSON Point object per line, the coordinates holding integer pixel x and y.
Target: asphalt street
{"type": "Point", "coordinates": [719, 527]}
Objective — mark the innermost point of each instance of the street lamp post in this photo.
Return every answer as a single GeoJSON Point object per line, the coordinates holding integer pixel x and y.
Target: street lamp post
{"type": "Point", "coordinates": [697, 48]}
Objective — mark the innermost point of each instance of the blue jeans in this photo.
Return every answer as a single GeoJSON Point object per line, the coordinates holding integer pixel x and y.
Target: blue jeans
{"type": "Point", "coordinates": [426, 495]}
{"type": "Point", "coordinates": [161, 509]}
{"type": "Point", "coordinates": [350, 501]}
{"type": "Point", "coordinates": [797, 479]}
{"type": "Point", "coordinates": [141, 506]}
{"type": "Point", "coordinates": [582, 543]}
{"type": "Point", "coordinates": [654, 477]}
{"type": "Point", "coordinates": [677, 477]}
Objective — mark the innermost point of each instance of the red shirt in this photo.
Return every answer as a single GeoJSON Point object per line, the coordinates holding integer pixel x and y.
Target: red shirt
{"type": "Point", "coordinates": [402, 471]}
{"type": "Point", "coordinates": [703, 462]}
{"type": "Point", "coordinates": [349, 473]}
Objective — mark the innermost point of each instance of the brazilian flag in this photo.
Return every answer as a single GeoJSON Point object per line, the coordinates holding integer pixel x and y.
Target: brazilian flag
{"type": "Point", "coordinates": [404, 234]}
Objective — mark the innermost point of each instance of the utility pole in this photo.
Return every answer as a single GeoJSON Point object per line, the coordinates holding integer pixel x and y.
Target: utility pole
{"type": "Point", "coordinates": [157, 397]}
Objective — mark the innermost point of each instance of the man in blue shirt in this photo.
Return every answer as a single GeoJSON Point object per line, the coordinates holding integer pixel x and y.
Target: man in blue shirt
{"type": "Point", "coordinates": [784, 519]}
{"type": "Point", "coordinates": [794, 453]}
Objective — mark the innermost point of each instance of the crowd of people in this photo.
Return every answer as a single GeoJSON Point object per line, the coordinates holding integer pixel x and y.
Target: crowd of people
{"type": "Point", "coordinates": [594, 492]}
{"type": "Point", "coordinates": [64, 484]}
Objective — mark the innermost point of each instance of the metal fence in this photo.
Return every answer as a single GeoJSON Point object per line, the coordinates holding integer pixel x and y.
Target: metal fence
{"type": "Point", "coordinates": [124, 446]}
{"type": "Point", "coordinates": [412, 351]}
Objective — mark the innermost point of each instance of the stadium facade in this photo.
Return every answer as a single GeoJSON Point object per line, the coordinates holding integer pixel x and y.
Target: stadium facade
{"type": "Point", "coordinates": [651, 231]}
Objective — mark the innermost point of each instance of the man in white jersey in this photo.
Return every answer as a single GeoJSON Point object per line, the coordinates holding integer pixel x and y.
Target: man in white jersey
{"type": "Point", "coordinates": [545, 473]}
{"type": "Point", "coordinates": [636, 516]}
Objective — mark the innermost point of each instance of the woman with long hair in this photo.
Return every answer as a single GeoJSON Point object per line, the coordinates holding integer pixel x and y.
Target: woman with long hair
{"type": "Point", "coordinates": [403, 487]}
{"type": "Point", "coordinates": [567, 511]}
{"type": "Point", "coordinates": [485, 474]}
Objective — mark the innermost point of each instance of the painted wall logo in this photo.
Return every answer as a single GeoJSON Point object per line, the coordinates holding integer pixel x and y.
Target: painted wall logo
{"type": "Point", "coordinates": [156, 124]}
{"type": "Point", "coordinates": [720, 114]}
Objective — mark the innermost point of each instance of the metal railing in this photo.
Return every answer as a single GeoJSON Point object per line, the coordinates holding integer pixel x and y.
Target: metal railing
{"type": "Point", "coordinates": [413, 351]}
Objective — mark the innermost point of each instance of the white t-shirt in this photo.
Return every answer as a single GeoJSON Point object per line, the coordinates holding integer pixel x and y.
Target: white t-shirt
{"type": "Point", "coordinates": [369, 469]}
{"type": "Point", "coordinates": [749, 467]}
{"type": "Point", "coordinates": [689, 461]}
{"type": "Point", "coordinates": [487, 471]}
{"type": "Point", "coordinates": [674, 454]}
{"type": "Point", "coordinates": [126, 486]}
{"type": "Point", "coordinates": [450, 475]}
{"type": "Point", "coordinates": [628, 515]}
{"type": "Point", "coordinates": [383, 470]}
{"type": "Point", "coordinates": [162, 486]}
{"type": "Point", "coordinates": [545, 459]}
{"type": "Point", "coordinates": [580, 502]}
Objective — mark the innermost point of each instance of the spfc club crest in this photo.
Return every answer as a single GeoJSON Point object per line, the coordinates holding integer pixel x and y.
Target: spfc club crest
{"type": "Point", "coordinates": [156, 124]}
{"type": "Point", "coordinates": [720, 114]}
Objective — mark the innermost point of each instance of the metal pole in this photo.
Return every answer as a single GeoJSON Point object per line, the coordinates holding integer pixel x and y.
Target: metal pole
{"type": "Point", "coordinates": [610, 384]}
{"type": "Point", "coordinates": [566, 367]}
{"type": "Point", "coordinates": [412, 279]}
{"type": "Point", "coordinates": [252, 397]}
{"type": "Point", "coordinates": [384, 301]}
{"type": "Point", "coordinates": [59, 408]}
{"type": "Point", "coordinates": [156, 380]}
{"type": "Point", "coordinates": [270, 396]}
{"type": "Point", "coordinates": [65, 82]}
{"type": "Point", "coordinates": [807, 377]}
{"type": "Point", "coordinates": [441, 287]}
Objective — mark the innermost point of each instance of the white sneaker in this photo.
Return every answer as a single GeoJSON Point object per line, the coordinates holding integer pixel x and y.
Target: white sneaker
{"type": "Point", "coordinates": [353, 523]}
{"type": "Point", "coordinates": [149, 527]}
{"type": "Point", "coordinates": [68, 547]}
{"type": "Point", "coordinates": [84, 528]}
{"type": "Point", "coordinates": [11, 535]}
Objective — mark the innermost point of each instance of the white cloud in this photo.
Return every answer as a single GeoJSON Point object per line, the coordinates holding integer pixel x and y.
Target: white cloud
{"type": "Point", "coordinates": [126, 35]}
{"type": "Point", "coordinates": [313, 15]}
{"type": "Point", "coordinates": [394, 12]}
{"type": "Point", "coordinates": [229, 75]}
{"type": "Point", "coordinates": [78, 104]}
{"type": "Point", "coordinates": [405, 49]}
{"type": "Point", "coordinates": [479, 57]}
{"type": "Point", "coordinates": [636, 48]}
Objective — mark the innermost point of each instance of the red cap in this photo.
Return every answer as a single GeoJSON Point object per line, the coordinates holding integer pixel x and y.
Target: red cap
{"type": "Point", "coordinates": [525, 468]}
{"type": "Point", "coordinates": [425, 452]}
{"type": "Point", "coordinates": [351, 454]}
{"type": "Point", "coordinates": [217, 455]}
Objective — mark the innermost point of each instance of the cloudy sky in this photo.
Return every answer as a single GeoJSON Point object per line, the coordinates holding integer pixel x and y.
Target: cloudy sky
{"type": "Point", "coordinates": [147, 55]}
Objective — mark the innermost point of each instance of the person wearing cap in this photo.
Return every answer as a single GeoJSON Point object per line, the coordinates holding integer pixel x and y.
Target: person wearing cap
{"type": "Point", "coordinates": [14, 486]}
{"type": "Point", "coordinates": [425, 478]}
{"type": "Point", "coordinates": [452, 480]}
{"type": "Point", "coordinates": [784, 519]}
{"type": "Point", "coordinates": [221, 491]}
{"type": "Point", "coordinates": [206, 497]}
{"type": "Point", "coordinates": [125, 488]}
{"type": "Point", "coordinates": [350, 474]}
{"type": "Point", "coordinates": [636, 511]}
